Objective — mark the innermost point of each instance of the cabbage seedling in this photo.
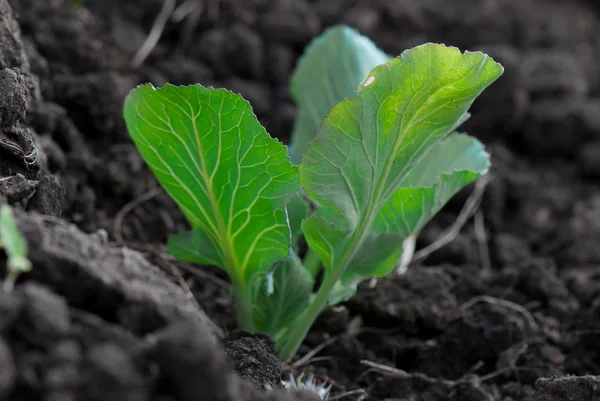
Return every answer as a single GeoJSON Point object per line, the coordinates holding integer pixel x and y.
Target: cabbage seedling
{"type": "Point", "coordinates": [380, 165]}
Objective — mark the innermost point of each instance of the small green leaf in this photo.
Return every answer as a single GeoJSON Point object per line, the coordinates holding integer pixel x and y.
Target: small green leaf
{"type": "Point", "coordinates": [18, 264]}
{"type": "Point", "coordinates": [13, 241]}
{"type": "Point", "coordinates": [282, 297]}
{"type": "Point", "coordinates": [228, 176]}
{"type": "Point", "coordinates": [344, 289]}
{"type": "Point", "coordinates": [15, 247]}
{"type": "Point", "coordinates": [332, 67]}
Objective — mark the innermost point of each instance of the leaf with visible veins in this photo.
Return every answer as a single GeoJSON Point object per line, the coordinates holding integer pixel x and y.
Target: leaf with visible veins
{"type": "Point", "coordinates": [228, 176]}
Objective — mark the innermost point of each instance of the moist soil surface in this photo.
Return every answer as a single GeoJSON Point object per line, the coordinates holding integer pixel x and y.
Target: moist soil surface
{"type": "Point", "coordinates": [508, 310]}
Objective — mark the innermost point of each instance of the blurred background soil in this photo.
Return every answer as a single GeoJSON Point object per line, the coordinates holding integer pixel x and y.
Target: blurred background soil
{"type": "Point", "coordinates": [515, 297]}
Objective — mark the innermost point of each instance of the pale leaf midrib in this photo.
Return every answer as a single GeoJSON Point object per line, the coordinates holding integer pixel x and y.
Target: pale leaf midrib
{"type": "Point", "coordinates": [157, 154]}
{"type": "Point", "coordinates": [230, 261]}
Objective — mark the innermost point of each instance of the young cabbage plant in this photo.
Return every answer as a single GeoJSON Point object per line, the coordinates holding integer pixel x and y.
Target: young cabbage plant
{"type": "Point", "coordinates": [376, 169]}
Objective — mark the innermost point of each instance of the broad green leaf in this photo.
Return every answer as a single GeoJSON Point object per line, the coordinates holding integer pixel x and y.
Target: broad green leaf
{"type": "Point", "coordinates": [332, 67]}
{"type": "Point", "coordinates": [366, 148]}
{"type": "Point", "coordinates": [228, 176]}
{"type": "Point", "coordinates": [13, 242]}
{"type": "Point", "coordinates": [283, 294]}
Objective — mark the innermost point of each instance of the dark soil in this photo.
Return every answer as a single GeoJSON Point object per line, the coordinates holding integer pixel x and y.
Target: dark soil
{"type": "Point", "coordinates": [106, 314]}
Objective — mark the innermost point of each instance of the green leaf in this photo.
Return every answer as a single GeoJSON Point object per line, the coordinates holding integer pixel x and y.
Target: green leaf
{"type": "Point", "coordinates": [344, 289]}
{"type": "Point", "coordinates": [453, 163]}
{"type": "Point", "coordinates": [228, 176]}
{"type": "Point", "coordinates": [196, 247]}
{"type": "Point", "coordinates": [332, 67]}
{"type": "Point", "coordinates": [377, 255]}
{"type": "Point", "coordinates": [450, 165]}
{"type": "Point", "coordinates": [15, 247]}
{"type": "Point", "coordinates": [282, 295]}
{"type": "Point", "coordinates": [366, 148]}
{"type": "Point", "coordinates": [13, 242]}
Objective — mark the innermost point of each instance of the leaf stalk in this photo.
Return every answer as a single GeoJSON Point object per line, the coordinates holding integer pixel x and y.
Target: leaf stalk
{"type": "Point", "coordinates": [312, 262]}
{"type": "Point", "coordinates": [300, 329]}
{"type": "Point", "coordinates": [243, 303]}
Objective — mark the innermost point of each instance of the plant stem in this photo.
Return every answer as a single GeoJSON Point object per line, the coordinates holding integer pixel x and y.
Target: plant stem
{"type": "Point", "coordinates": [312, 262]}
{"type": "Point", "coordinates": [10, 280]}
{"type": "Point", "coordinates": [299, 330]}
{"type": "Point", "coordinates": [243, 304]}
